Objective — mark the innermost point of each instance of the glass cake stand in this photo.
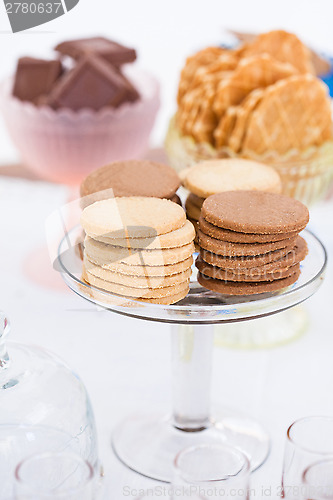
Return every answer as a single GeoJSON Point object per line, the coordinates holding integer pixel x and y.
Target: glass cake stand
{"type": "Point", "coordinates": [148, 444]}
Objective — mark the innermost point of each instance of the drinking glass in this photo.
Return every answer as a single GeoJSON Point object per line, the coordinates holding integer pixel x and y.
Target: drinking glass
{"type": "Point", "coordinates": [309, 440]}
{"type": "Point", "coordinates": [318, 481]}
{"type": "Point", "coordinates": [207, 471]}
{"type": "Point", "coordinates": [54, 476]}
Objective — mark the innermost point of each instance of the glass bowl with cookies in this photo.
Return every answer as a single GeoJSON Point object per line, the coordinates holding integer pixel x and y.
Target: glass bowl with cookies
{"type": "Point", "coordinates": [135, 259]}
{"type": "Point", "coordinates": [260, 101]}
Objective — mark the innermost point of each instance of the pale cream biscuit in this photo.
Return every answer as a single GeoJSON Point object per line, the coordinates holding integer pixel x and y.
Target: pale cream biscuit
{"type": "Point", "coordinates": [173, 239]}
{"type": "Point", "coordinates": [146, 270]}
{"type": "Point", "coordinates": [104, 254]}
{"type": "Point", "coordinates": [216, 176]}
{"type": "Point", "coordinates": [136, 281]}
{"type": "Point", "coordinates": [127, 291]}
{"type": "Point", "coordinates": [133, 217]}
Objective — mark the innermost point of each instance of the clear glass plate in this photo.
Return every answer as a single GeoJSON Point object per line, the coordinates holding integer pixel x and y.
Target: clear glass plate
{"type": "Point", "coordinates": [200, 306]}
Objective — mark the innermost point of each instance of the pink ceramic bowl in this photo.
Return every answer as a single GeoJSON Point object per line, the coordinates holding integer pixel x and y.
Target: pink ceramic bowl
{"type": "Point", "coordinates": [64, 146]}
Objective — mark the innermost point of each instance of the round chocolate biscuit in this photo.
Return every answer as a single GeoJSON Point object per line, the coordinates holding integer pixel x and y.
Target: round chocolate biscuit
{"type": "Point", "coordinates": [243, 262]}
{"type": "Point", "coordinates": [228, 249]}
{"type": "Point", "coordinates": [236, 237]}
{"type": "Point", "coordinates": [130, 178]}
{"type": "Point", "coordinates": [232, 288]}
{"type": "Point", "coordinates": [192, 211]}
{"type": "Point", "coordinates": [195, 200]}
{"type": "Point", "coordinates": [175, 198]}
{"type": "Point", "coordinates": [255, 212]}
{"type": "Point", "coordinates": [248, 275]}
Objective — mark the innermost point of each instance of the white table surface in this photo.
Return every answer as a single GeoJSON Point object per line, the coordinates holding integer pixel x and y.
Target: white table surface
{"type": "Point", "coordinates": [125, 363]}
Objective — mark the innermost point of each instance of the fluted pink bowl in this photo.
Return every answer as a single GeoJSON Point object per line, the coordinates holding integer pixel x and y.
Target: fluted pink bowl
{"type": "Point", "coordinates": [64, 146]}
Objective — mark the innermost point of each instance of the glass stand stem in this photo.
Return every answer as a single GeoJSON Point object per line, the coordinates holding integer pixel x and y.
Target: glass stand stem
{"type": "Point", "coordinates": [192, 349]}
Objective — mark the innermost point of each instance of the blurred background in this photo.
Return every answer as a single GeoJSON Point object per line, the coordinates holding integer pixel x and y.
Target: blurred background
{"type": "Point", "coordinates": [164, 34]}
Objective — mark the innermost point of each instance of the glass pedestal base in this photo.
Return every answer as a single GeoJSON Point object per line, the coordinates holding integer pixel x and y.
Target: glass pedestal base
{"type": "Point", "coordinates": [149, 444]}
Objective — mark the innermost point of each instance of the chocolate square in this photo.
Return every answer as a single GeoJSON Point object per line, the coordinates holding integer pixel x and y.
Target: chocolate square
{"type": "Point", "coordinates": [113, 52]}
{"type": "Point", "coordinates": [93, 84]}
{"type": "Point", "coordinates": [35, 77]}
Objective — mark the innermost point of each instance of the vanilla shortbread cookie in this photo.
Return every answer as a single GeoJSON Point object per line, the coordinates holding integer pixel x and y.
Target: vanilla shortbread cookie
{"type": "Point", "coordinates": [146, 270]}
{"type": "Point", "coordinates": [173, 239]}
{"type": "Point", "coordinates": [216, 176]}
{"type": "Point", "coordinates": [136, 281]}
{"type": "Point", "coordinates": [104, 254]}
{"type": "Point", "coordinates": [127, 291]}
{"type": "Point", "coordinates": [133, 217]}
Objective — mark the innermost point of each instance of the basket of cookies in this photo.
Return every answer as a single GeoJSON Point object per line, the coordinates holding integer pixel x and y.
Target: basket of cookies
{"type": "Point", "coordinates": [261, 101]}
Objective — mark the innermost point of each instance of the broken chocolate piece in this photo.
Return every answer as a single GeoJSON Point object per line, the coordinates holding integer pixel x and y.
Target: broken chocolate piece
{"type": "Point", "coordinates": [35, 77]}
{"type": "Point", "coordinates": [93, 84]}
{"type": "Point", "coordinates": [113, 52]}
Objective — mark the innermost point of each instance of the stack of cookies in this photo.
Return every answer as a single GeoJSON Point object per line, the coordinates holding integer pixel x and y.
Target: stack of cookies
{"type": "Point", "coordinates": [215, 176]}
{"type": "Point", "coordinates": [130, 178]}
{"type": "Point", "coordinates": [249, 242]}
{"type": "Point", "coordinates": [138, 247]}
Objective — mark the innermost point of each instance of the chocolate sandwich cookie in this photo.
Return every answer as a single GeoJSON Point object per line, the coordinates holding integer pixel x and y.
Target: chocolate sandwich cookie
{"type": "Point", "coordinates": [228, 249]}
{"type": "Point", "coordinates": [237, 237]}
{"type": "Point", "coordinates": [232, 288]}
{"type": "Point", "coordinates": [245, 275]}
{"type": "Point", "coordinates": [255, 212]}
{"type": "Point", "coordinates": [130, 178]}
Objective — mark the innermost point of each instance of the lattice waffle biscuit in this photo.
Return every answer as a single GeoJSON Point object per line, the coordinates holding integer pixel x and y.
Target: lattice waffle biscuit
{"type": "Point", "coordinates": [216, 58]}
{"type": "Point", "coordinates": [284, 47]}
{"type": "Point", "coordinates": [252, 72]}
{"type": "Point", "coordinates": [294, 113]}
{"type": "Point", "coordinates": [243, 113]}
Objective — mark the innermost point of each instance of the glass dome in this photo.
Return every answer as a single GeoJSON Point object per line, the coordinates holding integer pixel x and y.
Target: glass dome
{"type": "Point", "coordinates": [38, 391]}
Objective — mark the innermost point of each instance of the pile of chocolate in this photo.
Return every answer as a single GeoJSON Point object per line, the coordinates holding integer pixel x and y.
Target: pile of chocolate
{"type": "Point", "coordinates": [95, 79]}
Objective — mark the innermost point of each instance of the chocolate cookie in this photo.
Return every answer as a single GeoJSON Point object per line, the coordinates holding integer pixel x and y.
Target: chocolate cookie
{"type": "Point", "coordinates": [231, 288]}
{"type": "Point", "coordinates": [255, 212]}
{"type": "Point", "coordinates": [192, 211]}
{"type": "Point", "coordinates": [195, 200]}
{"type": "Point", "coordinates": [248, 275]}
{"type": "Point", "coordinates": [236, 237]}
{"type": "Point", "coordinates": [228, 249]}
{"type": "Point", "coordinates": [130, 178]}
{"type": "Point", "coordinates": [243, 262]}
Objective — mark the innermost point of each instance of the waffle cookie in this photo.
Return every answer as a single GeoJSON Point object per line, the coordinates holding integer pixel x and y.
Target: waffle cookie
{"type": "Point", "coordinates": [139, 248]}
{"type": "Point", "coordinates": [264, 252]}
